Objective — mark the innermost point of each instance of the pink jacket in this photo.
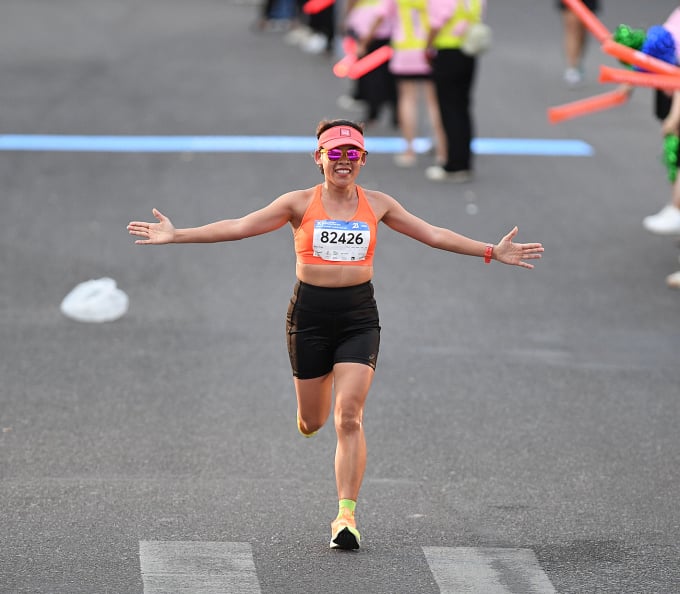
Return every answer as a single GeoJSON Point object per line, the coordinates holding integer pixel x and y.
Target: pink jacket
{"type": "Point", "coordinates": [361, 18]}
{"type": "Point", "coordinates": [440, 11]}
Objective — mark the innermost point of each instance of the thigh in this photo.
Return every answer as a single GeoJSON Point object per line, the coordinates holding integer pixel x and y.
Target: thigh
{"type": "Point", "coordinates": [314, 397]}
{"type": "Point", "coordinates": [310, 348]}
{"type": "Point", "coordinates": [357, 338]}
{"type": "Point", "coordinates": [352, 383]}
{"type": "Point", "coordinates": [407, 89]}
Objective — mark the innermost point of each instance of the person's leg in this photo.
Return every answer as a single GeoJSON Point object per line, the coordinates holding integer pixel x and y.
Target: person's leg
{"type": "Point", "coordinates": [454, 74]}
{"type": "Point", "coordinates": [434, 113]}
{"type": "Point", "coordinates": [574, 39]}
{"type": "Point", "coordinates": [352, 383]}
{"type": "Point", "coordinates": [314, 397]}
{"type": "Point", "coordinates": [375, 85]}
{"type": "Point", "coordinates": [407, 105]}
{"type": "Point", "coordinates": [667, 220]}
{"type": "Point", "coordinates": [675, 193]}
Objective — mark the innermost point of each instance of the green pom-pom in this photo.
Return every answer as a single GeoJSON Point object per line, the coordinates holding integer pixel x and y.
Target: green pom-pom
{"type": "Point", "coordinates": [671, 144]}
{"type": "Point", "coordinates": [633, 38]}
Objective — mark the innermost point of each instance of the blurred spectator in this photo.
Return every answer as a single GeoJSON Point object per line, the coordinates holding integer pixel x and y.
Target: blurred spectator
{"type": "Point", "coordinates": [667, 110]}
{"type": "Point", "coordinates": [413, 74]}
{"type": "Point", "coordinates": [575, 36]}
{"type": "Point", "coordinates": [322, 38]}
{"type": "Point", "coordinates": [454, 75]}
{"type": "Point", "coordinates": [667, 220]}
{"type": "Point", "coordinates": [377, 88]}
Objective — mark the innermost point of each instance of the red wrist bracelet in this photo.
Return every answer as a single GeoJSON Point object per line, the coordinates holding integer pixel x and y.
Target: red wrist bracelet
{"type": "Point", "coordinates": [488, 252]}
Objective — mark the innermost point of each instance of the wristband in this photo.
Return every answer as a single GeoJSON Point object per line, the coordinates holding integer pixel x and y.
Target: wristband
{"type": "Point", "coordinates": [488, 253]}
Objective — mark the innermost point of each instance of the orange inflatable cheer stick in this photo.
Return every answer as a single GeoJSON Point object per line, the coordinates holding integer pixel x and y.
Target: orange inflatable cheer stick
{"type": "Point", "coordinates": [588, 18]}
{"type": "Point", "coordinates": [637, 58]}
{"type": "Point", "coordinates": [640, 79]}
{"type": "Point", "coordinates": [370, 61]}
{"type": "Point", "coordinates": [341, 68]}
{"type": "Point", "coordinates": [587, 106]}
{"type": "Point", "coordinates": [314, 6]}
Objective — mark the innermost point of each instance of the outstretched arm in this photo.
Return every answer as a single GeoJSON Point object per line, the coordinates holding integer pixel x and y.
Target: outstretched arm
{"type": "Point", "coordinates": [269, 218]}
{"type": "Point", "coordinates": [398, 218]}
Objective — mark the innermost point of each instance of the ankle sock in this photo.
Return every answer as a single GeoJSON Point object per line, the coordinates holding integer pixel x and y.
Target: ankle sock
{"type": "Point", "coordinates": [349, 504]}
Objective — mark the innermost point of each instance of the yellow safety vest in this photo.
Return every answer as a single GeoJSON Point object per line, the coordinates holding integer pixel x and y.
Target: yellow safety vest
{"type": "Point", "coordinates": [413, 16]}
{"type": "Point", "coordinates": [445, 38]}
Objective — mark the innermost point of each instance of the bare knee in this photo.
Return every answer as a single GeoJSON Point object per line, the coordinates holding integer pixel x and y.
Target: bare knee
{"type": "Point", "coordinates": [310, 424]}
{"type": "Point", "coordinates": [347, 420]}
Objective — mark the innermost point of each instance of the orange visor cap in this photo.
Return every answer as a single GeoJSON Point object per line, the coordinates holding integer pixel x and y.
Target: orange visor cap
{"type": "Point", "coordinates": [341, 136]}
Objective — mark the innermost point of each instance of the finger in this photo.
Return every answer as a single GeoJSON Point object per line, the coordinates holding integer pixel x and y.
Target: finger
{"type": "Point", "coordinates": [139, 230]}
{"type": "Point", "coordinates": [136, 224]}
{"type": "Point", "coordinates": [158, 214]}
{"type": "Point", "coordinates": [511, 235]}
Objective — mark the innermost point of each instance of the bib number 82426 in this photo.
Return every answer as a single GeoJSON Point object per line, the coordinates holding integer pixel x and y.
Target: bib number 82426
{"type": "Point", "coordinates": [341, 241]}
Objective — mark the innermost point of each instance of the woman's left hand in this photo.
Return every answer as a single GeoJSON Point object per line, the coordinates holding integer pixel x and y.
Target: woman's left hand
{"type": "Point", "coordinates": [515, 253]}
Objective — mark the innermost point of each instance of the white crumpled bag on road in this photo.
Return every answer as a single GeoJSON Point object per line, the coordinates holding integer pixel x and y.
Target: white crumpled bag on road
{"type": "Point", "coordinates": [97, 300]}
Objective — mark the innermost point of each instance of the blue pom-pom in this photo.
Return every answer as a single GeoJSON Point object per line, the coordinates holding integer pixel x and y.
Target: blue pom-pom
{"type": "Point", "coordinates": [660, 44]}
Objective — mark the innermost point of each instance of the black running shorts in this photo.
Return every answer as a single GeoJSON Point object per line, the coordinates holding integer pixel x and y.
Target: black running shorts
{"type": "Point", "coordinates": [325, 326]}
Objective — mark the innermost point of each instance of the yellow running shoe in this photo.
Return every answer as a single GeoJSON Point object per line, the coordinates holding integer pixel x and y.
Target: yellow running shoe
{"type": "Point", "coordinates": [301, 431]}
{"type": "Point", "coordinates": [344, 533]}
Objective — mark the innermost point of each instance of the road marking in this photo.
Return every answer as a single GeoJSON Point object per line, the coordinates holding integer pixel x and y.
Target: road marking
{"type": "Point", "coordinates": [465, 570]}
{"type": "Point", "coordinates": [193, 567]}
{"type": "Point", "coordinates": [275, 144]}
{"type": "Point", "coordinates": [197, 567]}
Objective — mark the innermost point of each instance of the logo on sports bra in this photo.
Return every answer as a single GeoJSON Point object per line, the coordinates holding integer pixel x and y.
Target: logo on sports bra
{"type": "Point", "coordinates": [341, 241]}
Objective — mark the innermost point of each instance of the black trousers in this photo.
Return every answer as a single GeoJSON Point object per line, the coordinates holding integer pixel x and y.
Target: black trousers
{"type": "Point", "coordinates": [454, 75]}
{"type": "Point", "coordinates": [378, 87]}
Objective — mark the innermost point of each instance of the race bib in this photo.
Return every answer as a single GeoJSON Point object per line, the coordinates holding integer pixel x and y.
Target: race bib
{"type": "Point", "coordinates": [341, 241]}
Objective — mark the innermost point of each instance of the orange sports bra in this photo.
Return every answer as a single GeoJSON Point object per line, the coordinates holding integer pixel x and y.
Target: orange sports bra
{"type": "Point", "coordinates": [322, 240]}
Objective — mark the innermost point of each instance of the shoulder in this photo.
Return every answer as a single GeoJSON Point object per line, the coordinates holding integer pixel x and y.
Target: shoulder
{"type": "Point", "coordinates": [296, 203]}
{"type": "Point", "coordinates": [297, 198]}
{"type": "Point", "coordinates": [380, 202]}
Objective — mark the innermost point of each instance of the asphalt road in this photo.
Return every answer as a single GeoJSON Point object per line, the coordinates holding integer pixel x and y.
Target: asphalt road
{"type": "Point", "coordinates": [532, 411]}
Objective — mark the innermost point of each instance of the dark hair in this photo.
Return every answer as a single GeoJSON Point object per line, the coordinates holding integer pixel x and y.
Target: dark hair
{"type": "Point", "coordinates": [326, 124]}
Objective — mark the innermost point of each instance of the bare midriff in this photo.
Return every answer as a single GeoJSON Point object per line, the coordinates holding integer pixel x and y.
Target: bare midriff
{"type": "Point", "coordinates": [323, 275]}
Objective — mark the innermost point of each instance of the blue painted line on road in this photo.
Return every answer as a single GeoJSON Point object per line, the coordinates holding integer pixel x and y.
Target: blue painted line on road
{"type": "Point", "coordinates": [273, 144]}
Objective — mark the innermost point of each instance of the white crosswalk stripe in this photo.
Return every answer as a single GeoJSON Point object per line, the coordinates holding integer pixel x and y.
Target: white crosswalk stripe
{"type": "Point", "coordinates": [465, 570]}
{"type": "Point", "coordinates": [194, 567]}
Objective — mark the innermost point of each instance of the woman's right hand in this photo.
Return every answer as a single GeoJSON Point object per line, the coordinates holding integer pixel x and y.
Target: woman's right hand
{"type": "Point", "coordinates": [153, 233]}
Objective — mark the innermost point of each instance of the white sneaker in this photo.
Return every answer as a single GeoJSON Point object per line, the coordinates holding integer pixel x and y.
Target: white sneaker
{"type": "Point", "coordinates": [316, 44]}
{"type": "Point", "coordinates": [438, 173]}
{"type": "Point", "coordinates": [405, 160]}
{"type": "Point", "coordinates": [573, 77]}
{"type": "Point", "coordinates": [664, 222]}
{"type": "Point", "coordinates": [673, 280]}
{"type": "Point", "coordinates": [297, 35]}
